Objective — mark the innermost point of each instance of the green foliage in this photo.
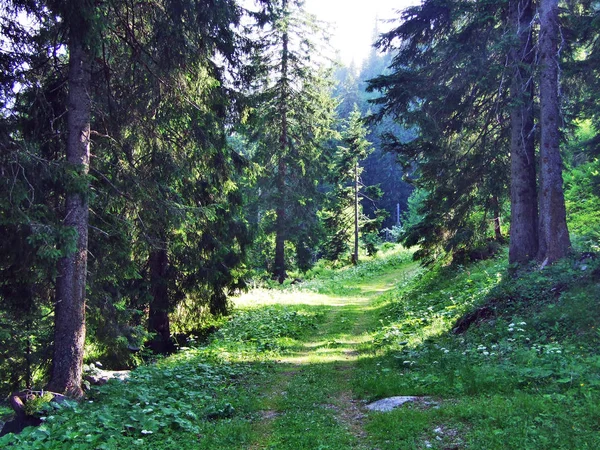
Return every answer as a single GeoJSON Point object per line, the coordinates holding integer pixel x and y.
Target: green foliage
{"type": "Point", "coordinates": [327, 279]}
{"type": "Point", "coordinates": [196, 392]}
{"type": "Point", "coordinates": [266, 329]}
{"type": "Point", "coordinates": [583, 205]}
{"type": "Point", "coordinates": [37, 403]}
{"type": "Point", "coordinates": [435, 301]}
{"type": "Point", "coordinates": [529, 353]}
{"type": "Point", "coordinates": [526, 375]}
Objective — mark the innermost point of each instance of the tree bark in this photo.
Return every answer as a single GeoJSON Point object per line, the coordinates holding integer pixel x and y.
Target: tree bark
{"type": "Point", "coordinates": [158, 317]}
{"type": "Point", "coordinates": [523, 229]}
{"type": "Point", "coordinates": [69, 315]}
{"type": "Point", "coordinates": [554, 242]}
{"type": "Point", "coordinates": [356, 205]}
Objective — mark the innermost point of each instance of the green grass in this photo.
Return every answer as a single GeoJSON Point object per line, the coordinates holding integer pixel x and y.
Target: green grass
{"type": "Point", "coordinates": [526, 377]}
{"type": "Point", "coordinates": [294, 367]}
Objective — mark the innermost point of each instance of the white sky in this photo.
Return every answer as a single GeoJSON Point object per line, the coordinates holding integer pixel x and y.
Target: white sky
{"type": "Point", "coordinates": [353, 22]}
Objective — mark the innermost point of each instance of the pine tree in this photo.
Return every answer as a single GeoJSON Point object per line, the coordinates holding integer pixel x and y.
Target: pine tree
{"type": "Point", "coordinates": [446, 83]}
{"type": "Point", "coordinates": [290, 121]}
{"type": "Point", "coordinates": [449, 80]}
{"type": "Point", "coordinates": [343, 217]}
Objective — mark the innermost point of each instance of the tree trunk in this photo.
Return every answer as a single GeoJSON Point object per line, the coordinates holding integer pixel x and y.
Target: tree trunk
{"type": "Point", "coordinates": [554, 240]}
{"type": "Point", "coordinates": [158, 317]}
{"type": "Point", "coordinates": [356, 205]}
{"type": "Point", "coordinates": [280, 225]}
{"type": "Point", "coordinates": [523, 228]}
{"type": "Point", "coordinates": [497, 223]}
{"type": "Point", "coordinates": [69, 315]}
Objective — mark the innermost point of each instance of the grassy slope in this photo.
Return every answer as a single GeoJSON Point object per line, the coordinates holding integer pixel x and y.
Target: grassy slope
{"type": "Point", "coordinates": [293, 369]}
{"type": "Point", "coordinates": [525, 377]}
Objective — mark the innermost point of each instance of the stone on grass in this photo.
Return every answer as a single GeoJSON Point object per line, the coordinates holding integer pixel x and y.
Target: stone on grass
{"type": "Point", "coordinates": [388, 404]}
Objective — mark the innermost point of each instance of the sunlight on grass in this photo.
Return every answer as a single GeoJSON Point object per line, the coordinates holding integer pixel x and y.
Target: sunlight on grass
{"type": "Point", "coordinates": [263, 297]}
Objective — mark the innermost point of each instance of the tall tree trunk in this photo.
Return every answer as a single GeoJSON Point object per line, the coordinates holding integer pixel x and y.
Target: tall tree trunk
{"type": "Point", "coordinates": [280, 225]}
{"type": "Point", "coordinates": [355, 254]}
{"type": "Point", "coordinates": [554, 242]}
{"type": "Point", "coordinates": [523, 228]}
{"type": "Point", "coordinates": [69, 315]}
{"type": "Point", "coordinates": [158, 317]}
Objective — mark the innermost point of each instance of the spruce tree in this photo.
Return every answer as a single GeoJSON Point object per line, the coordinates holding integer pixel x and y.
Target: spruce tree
{"type": "Point", "coordinates": [343, 217]}
{"type": "Point", "coordinates": [464, 77]}
{"type": "Point", "coordinates": [290, 121]}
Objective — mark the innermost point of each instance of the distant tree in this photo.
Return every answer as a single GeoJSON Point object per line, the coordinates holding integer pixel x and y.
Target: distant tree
{"type": "Point", "coordinates": [343, 217]}
{"type": "Point", "coordinates": [291, 121]}
{"type": "Point", "coordinates": [380, 167]}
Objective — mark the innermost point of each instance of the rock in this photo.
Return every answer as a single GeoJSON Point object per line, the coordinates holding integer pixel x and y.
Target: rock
{"type": "Point", "coordinates": [19, 423]}
{"type": "Point", "coordinates": [388, 404]}
{"type": "Point", "coordinates": [98, 377]}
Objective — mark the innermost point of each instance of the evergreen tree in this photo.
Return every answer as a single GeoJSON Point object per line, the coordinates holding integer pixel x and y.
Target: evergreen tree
{"type": "Point", "coordinates": [69, 313]}
{"type": "Point", "coordinates": [449, 81]}
{"type": "Point", "coordinates": [290, 122]}
{"type": "Point", "coordinates": [164, 223]}
{"type": "Point", "coordinates": [446, 84]}
{"type": "Point", "coordinates": [524, 212]}
{"type": "Point", "coordinates": [380, 167]}
{"type": "Point", "coordinates": [343, 218]}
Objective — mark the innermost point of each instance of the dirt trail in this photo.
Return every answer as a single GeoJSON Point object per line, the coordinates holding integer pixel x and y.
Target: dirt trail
{"type": "Point", "coordinates": [308, 401]}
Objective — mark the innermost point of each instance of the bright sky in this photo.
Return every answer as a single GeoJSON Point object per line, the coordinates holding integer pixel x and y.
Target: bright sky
{"type": "Point", "coordinates": [353, 22]}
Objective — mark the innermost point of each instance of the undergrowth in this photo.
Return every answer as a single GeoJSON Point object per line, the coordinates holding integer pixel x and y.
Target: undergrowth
{"type": "Point", "coordinates": [525, 374]}
{"type": "Point", "coordinates": [200, 398]}
{"type": "Point", "coordinates": [324, 279]}
{"type": "Point", "coordinates": [506, 355]}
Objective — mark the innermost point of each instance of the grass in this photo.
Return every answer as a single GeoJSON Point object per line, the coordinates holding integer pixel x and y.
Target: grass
{"type": "Point", "coordinates": [294, 367]}
{"type": "Point", "coordinates": [527, 376]}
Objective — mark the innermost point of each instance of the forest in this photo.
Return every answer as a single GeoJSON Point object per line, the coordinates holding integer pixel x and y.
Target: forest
{"type": "Point", "coordinates": [162, 161]}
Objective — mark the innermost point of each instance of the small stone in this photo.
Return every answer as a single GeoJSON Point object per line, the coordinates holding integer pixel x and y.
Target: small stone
{"type": "Point", "coordinates": [388, 404]}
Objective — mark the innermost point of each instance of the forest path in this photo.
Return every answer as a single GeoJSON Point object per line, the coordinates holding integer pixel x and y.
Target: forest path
{"type": "Point", "coordinates": [307, 402]}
